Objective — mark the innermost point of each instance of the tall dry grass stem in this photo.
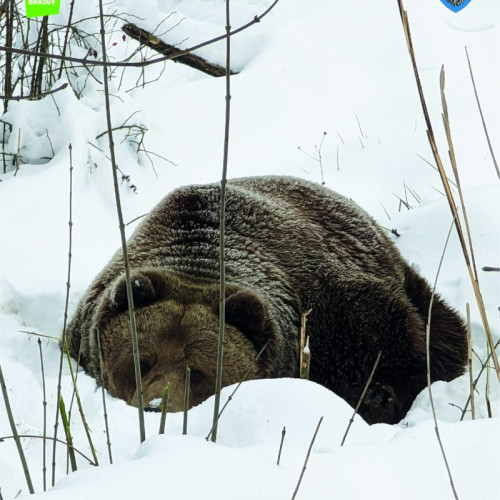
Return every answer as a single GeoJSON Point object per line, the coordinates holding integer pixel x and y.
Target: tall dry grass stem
{"type": "Point", "coordinates": [482, 116]}
{"type": "Point", "coordinates": [222, 229]}
{"type": "Point", "coordinates": [15, 435]}
{"type": "Point", "coordinates": [307, 458]}
{"type": "Point", "coordinates": [362, 397]}
{"type": "Point", "coordinates": [447, 188]}
{"type": "Point", "coordinates": [469, 362]}
{"type": "Point", "coordinates": [130, 297]}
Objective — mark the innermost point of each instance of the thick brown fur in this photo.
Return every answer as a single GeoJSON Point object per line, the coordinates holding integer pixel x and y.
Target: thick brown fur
{"type": "Point", "coordinates": [291, 246]}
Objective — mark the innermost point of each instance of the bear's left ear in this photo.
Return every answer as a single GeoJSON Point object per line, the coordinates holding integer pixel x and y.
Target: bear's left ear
{"type": "Point", "coordinates": [143, 291]}
{"type": "Point", "coordinates": [246, 311]}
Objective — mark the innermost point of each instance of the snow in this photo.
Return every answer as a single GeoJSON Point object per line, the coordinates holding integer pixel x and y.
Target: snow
{"type": "Point", "coordinates": [305, 69]}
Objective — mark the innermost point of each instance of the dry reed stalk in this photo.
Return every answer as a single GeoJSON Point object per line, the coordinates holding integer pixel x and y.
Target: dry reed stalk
{"type": "Point", "coordinates": [103, 394]}
{"type": "Point", "coordinates": [469, 361]}
{"type": "Point", "coordinates": [447, 188]}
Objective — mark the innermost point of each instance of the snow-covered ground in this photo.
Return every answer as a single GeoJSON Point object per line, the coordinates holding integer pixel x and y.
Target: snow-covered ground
{"type": "Point", "coordinates": [305, 69]}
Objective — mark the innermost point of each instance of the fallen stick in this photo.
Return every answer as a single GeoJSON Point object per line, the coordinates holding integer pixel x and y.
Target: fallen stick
{"type": "Point", "coordinates": [153, 42]}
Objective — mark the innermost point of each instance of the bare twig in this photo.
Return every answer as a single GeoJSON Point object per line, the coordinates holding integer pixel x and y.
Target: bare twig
{"type": "Point", "coordinates": [130, 297]}
{"type": "Point", "coordinates": [307, 458]}
{"type": "Point", "coordinates": [222, 228]}
{"type": "Point", "coordinates": [187, 383]}
{"type": "Point", "coordinates": [283, 433]}
{"type": "Point", "coordinates": [33, 97]}
{"type": "Point", "coordinates": [44, 446]}
{"type": "Point", "coordinates": [66, 305]}
{"type": "Point", "coordinates": [15, 436]}
{"type": "Point", "coordinates": [230, 397]}
{"type": "Point", "coordinates": [360, 400]}
{"type": "Point", "coordinates": [428, 350]}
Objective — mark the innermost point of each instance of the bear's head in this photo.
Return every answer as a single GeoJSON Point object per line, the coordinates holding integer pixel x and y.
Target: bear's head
{"type": "Point", "coordinates": [177, 326]}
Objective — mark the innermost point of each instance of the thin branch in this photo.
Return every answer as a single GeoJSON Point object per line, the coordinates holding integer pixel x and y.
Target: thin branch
{"type": "Point", "coordinates": [33, 97]}
{"type": "Point", "coordinates": [255, 20]}
{"type": "Point", "coordinates": [307, 458]}
{"type": "Point", "coordinates": [222, 228]}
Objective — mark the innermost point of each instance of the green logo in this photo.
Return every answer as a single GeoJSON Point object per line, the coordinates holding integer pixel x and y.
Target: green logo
{"type": "Point", "coordinates": [39, 8]}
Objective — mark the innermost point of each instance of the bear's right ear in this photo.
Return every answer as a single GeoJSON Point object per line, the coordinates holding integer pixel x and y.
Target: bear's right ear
{"type": "Point", "coordinates": [143, 291]}
{"type": "Point", "coordinates": [246, 311]}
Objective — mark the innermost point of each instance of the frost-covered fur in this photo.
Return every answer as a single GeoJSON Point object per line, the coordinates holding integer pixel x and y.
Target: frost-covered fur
{"type": "Point", "coordinates": [291, 246]}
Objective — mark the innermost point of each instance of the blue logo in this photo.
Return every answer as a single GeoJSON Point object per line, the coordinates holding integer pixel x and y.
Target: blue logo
{"type": "Point", "coordinates": [456, 5]}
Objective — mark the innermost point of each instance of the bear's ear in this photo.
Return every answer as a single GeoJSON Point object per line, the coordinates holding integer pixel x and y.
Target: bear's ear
{"type": "Point", "coordinates": [246, 311]}
{"type": "Point", "coordinates": [143, 291]}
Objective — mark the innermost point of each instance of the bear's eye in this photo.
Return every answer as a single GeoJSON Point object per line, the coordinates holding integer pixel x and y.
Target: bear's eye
{"type": "Point", "coordinates": [196, 376]}
{"type": "Point", "coordinates": [146, 367]}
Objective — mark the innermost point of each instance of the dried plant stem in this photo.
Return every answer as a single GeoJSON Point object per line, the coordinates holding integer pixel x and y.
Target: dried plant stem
{"type": "Point", "coordinates": [482, 116]}
{"type": "Point", "coordinates": [428, 350]}
{"type": "Point", "coordinates": [130, 298]}
{"type": "Point", "coordinates": [469, 360]}
{"type": "Point", "coordinates": [66, 304]}
{"type": "Point", "coordinates": [447, 188]}
{"type": "Point", "coordinates": [307, 458]}
{"type": "Point", "coordinates": [67, 431]}
{"type": "Point", "coordinates": [484, 366]}
{"type": "Point", "coordinates": [66, 38]}
{"type": "Point", "coordinates": [360, 400]}
{"type": "Point", "coordinates": [187, 383]}
{"type": "Point", "coordinates": [305, 353]}
{"type": "Point", "coordinates": [230, 397]}
{"type": "Point", "coordinates": [35, 436]}
{"type": "Point", "coordinates": [44, 446]}
{"type": "Point", "coordinates": [487, 390]}
{"type": "Point", "coordinates": [16, 436]}
{"type": "Point", "coordinates": [103, 393]}
{"type": "Point", "coordinates": [283, 433]}
{"type": "Point", "coordinates": [79, 405]}
{"type": "Point", "coordinates": [222, 229]}
{"type": "Point", "coordinates": [164, 408]}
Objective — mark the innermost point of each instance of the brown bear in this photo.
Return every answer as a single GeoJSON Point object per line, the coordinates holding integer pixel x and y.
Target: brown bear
{"type": "Point", "coordinates": [291, 246]}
